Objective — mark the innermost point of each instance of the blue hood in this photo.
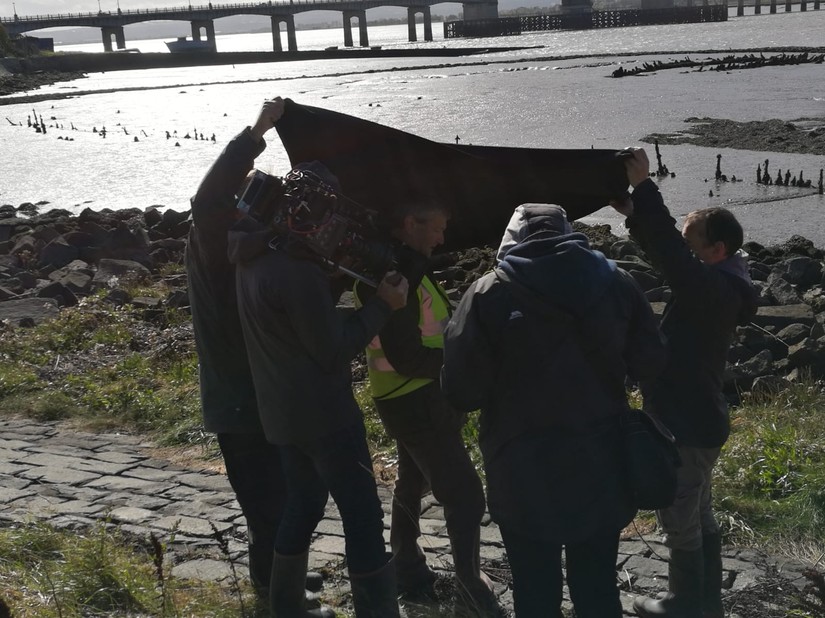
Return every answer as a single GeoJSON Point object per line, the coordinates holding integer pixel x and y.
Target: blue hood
{"type": "Point", "coordinates": [563, 270]}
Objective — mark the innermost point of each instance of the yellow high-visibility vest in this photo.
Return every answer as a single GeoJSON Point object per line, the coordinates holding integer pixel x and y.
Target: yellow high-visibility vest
{"type": "Point", "coordinates": [434, 313]}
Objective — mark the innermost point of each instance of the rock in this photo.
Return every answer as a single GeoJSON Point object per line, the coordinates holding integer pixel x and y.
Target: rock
{"type": "Point", "coordinates": [145, 302]}
{"type": "Point", "coordinates": [28, 209]}
{"type": "Point", "coordinates": [79, 239]}
{"type": "Point", "coordinates": [9, 261]}
{"type": "Point", "coordinates": [624, 248]}
{"type": "Point", "coordinates": [783, 316]}
{"type": "Point", "coordinates": [769, 385]}
{"type": "Point", "coordinates": [78, 282]}
{"type": "Point", "coordinates": [738, 353]}
{"type": "Point", "coordinates": [798, 245]}
{"type": "Point", "coordinates": [170, 244]}
{"type": "Point", "coordinates": [632, 262]}
{"type": "Point", "coordinates": [815, 297]}
{"type": "Point", "coordinates": [6, 294]}
{"type": "Point", "coordinates": [119, 297]}
{"type": "Point", "coordinates": [26, 244]}
{"type": "Point", "coordinates": [802, 271]}
{"type": "Point", "coordinates": [152, 216]}
{"type": "Point", "coordinates": [743, 374]}
{"type": "Point", "coordinates": [645, 280]}
{"type": "Point", "coordinates": [31, 310]}
{"type": "Point", "coordinates": [794, 333]}
{"type": "Point", "coordinates": [58, 253]}
{"type": "Point", "coordinates": [177, 299]}
{"type": "Point", "coordinates": [98, 233]}
{"type": "Point", "coordinates": [59, 292]}
{"type": "Point", "coordinates": [780, 290]}
{"type": "Point", "coordinates": [112, 272]}
{"type": "Point", "coordinates": [656, 295]}
{"type": "Point", "coordinates": [759, 271]}
{"type": "Point", "coordinates": [7, 211]}
{"type": "Point", "coordinates": [806, 352]}
{"type": "Point", "coordinates": [46, 233]}
{"type": "Point", "coordinates": [74, 265]}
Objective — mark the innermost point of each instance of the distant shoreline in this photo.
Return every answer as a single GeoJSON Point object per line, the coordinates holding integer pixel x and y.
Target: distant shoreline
{"type": "Point", "coordinates": [94, 62]}
{"type": "Point", "coordinates": [25, 74]}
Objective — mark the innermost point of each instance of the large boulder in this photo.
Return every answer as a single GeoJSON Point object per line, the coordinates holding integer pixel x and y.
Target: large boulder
{"type": "Point", "coordinates": [29, 310]}
{"type": "Point", "coordinates": [111, 273]}
{"type": "Point", "coordinates": [58, 253]}
{"type": "Point", "coordinates": [783, 316]}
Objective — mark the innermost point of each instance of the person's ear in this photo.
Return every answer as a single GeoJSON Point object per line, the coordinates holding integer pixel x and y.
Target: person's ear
{"type": "Point", "coordinates": [720, 251]}
{"type": "Point", "coordinates": [409, 224]}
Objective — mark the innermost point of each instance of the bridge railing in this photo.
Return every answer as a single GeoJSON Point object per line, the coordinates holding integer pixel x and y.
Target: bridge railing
{"type": "Point", "coordinates": [169, 10]}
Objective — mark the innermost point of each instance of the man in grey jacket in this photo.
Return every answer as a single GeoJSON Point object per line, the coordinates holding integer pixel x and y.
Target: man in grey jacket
{"type": "Point", "coordinates": [712, 294]}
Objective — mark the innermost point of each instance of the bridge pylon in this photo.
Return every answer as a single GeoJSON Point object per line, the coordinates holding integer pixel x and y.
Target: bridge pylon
{"type": "Point", "coordinates": [428, 23]}
{"type": "Point", "coordinates": [113, 31]}
{"type": "Point", "coordinates": [207, 26]}
{"type": "Point", "coordinates": [289, 20]}
{"type": "Point", "coordinates": [362, 28]}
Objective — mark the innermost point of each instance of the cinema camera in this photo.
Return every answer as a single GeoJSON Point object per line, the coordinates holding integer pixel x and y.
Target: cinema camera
{"type": "Point", "coordinates": [308, 213]}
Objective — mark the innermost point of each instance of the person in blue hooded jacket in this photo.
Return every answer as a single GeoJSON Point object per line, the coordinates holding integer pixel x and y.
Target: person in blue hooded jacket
{"type": "Point", "coordinates": [712, 293]}
{"type": "Point", "coordinates": [523, 346]}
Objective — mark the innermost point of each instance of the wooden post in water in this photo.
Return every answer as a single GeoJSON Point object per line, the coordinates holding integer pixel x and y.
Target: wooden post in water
{"type": "Point", "coordinates": [816, 5]}
{"type": "Point", "coordinates": [787, 6]}
{"type": "Point", "coordinates": [773, 7]}
{"type": "Point", "coordinates": [803, 6]}
{"type": "Point", "coordinates": [740, 8]}
{"type": "Point", "coordinates": [757, 7]}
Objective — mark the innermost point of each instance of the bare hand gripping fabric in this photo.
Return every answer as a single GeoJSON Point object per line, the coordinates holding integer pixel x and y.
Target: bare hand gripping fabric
{"type": "Point", "coordinates": [380, 167]}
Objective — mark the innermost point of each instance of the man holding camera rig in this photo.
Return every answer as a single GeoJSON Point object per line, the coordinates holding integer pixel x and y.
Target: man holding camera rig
{"type": "Point", "coordinates": [712, 294]}
{"type": "Point", "coordinates": [300, 349]}
{"type": "Point", "coordinates": [253, 465]}
{"type": "Point", "coordinates": [404, 364]}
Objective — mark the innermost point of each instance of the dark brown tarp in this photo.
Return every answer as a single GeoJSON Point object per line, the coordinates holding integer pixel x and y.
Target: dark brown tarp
{"type": "Point", "coordinates": [380, 167]}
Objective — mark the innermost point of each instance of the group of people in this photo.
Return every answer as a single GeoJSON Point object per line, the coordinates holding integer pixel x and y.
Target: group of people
{"type": "Point", "coordinates": [543, 345]}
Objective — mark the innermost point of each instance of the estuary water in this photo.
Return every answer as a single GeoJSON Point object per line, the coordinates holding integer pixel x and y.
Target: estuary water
{"type": "Point", "coordinates": [557, 94]}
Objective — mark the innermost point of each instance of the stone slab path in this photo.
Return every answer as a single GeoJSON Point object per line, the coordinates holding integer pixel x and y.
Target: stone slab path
{"type": "Point", "coordinates": [74, 480]}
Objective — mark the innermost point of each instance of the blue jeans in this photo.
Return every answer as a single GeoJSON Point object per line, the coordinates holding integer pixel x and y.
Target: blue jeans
{"type": "Point", "coordinates": [338, 464]}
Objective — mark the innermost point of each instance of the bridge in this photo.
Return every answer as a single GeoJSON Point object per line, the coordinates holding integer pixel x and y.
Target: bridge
{"type": "Point", "coordinates": [202, 18]}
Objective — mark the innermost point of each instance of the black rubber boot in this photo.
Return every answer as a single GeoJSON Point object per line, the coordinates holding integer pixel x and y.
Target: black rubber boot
{"type": "Point", "coordinates": [475, 594]}
{"type": "Point", "coordinates": [315, 581]}
{"type": "Point", "coordinates": [712, 593]}
{"type": "Point", "coordinates": [287, 590]}
{"type": "Point", "coordinates": [685, 588]}
{"type": "Point", "coordinates": [375, 594]}
{"type": "Point", "coordinates": [261, 556]}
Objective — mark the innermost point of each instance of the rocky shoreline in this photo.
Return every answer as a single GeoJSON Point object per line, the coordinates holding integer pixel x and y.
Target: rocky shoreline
{"type": "Point", "coordinates": [11, 83]}
{"type": "Point", "coordinates": [803, 135]}
{"type": "Point", "coordinates": [51, 260]}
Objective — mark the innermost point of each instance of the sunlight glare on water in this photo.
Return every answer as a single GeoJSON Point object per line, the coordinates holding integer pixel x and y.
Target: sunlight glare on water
{"type": "Point", "coordinates": [529, 98]}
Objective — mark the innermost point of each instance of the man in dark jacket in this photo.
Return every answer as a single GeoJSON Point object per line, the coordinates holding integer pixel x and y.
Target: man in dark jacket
{"type": "Point", "coordinates": [300, 349]}
{"type": "Point", "coordinates": [404, 364]}
{"type": "Point", "coordinates": [712, 294]}
{"type": "Point", "coordinates": [227, 395]}
{"type": "Point", "coordinates": [543, 345]}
